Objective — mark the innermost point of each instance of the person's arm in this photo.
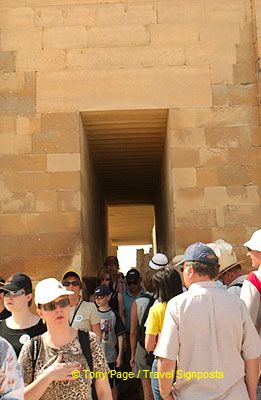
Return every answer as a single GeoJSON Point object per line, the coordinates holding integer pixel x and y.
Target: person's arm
{"type": "Point", "coordinates": [121, 306]}
{"type": "Point", "coordinates": [150, 342]}
{"type": "Point", "coordinates": [58, 371]}
{"type": "Point", "coordinates": [120, 352]}
{"type": "Point", "coordinates": [103, 389]}
{"type": "Point", "coordinates": [11, 380]}
{"type": "Point", "coordinates": [251, 377]}
{"type": "Point", "coordinates": [165, 383]}
{"type": "Point", "coordinates": [96, 328]}
{"type": "Point", "coordinates": [134, 323]}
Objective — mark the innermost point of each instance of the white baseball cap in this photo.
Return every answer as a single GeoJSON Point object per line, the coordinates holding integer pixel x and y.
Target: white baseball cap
{"type": "Point", "coordinates": [254, 243]}
{"type": "Point", "coordinates": [158, 261]}
{"type": "Point", "coordinates": [48, 290]}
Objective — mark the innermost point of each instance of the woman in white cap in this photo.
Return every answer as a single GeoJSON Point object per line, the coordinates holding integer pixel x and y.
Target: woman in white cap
{"type": "Point", "coordinates": [61, 370]}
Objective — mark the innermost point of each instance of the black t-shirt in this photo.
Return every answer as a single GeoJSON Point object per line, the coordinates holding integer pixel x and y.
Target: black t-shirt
{"type": "Point", "coordinates": [17, 337]}
{"type": "Point", "coordinates": [4, 314]}
{"type": "Point", "coordinates": [114, 303]}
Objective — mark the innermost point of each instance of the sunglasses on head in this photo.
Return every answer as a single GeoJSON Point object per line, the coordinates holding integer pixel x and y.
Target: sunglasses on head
{"type": "Point", "coordinates": [133, 283]}
{"type": "Point", "coordinates": [54, 304]}
{"type": "Point", "coordinates": [14, 294]}
{"type": "Point", "coordinates": [71, 283]}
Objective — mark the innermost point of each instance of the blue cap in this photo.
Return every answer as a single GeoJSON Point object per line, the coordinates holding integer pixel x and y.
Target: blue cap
{"type": "Point", "coordinates": [102, 290]}
{"type": "Point", "coordinates": [200, 252]}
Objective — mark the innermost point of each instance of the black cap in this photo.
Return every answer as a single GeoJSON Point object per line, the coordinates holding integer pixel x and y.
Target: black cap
{"type": "Point", "coordinates": [102, 290]}
{"type": "Point", "coordinates": [17, 282]}
{"type": "Point", "coordinates": [132, 275]}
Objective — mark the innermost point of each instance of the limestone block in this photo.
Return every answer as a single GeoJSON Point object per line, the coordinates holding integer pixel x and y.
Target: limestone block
{"type": "Point", "coordinates": [40, 60]}
{"type": "Point", "coordinates": [220, 95]}
{"type": "Point", "coordinates": [128, 89]}
{"type": "Point", "coordinates": [17, 224]}
{"type": "Point", "coordinates": [186, 235]}
{"type": "Point", "coordinates": [219, 32]}
{"type": "Point", "coordinates": [242, 95]}
{"type": "Point", "coordinates": [245, 156]}
{"type": "Point", "coordinates": [125, 57]}
{"type": "Point", "coordinates": [7, 61]}
{"type": "Point", "coordinates": [232, 235]}
{"type": "Point", "coordinates": [245, 53]}
{"type": "Point", "coordinates": [213, 156]}
{"type": "Point", "coordinates": [256, 135]}
{"type": "Point", "coordinates": [19, 17]}
{"type": "Point", "coordinates": [56, 142]}
{"type": "Point", "coordinates": [184, 177]}
{"type": "Point", "coordinates": [223, 11]}
{"type": "Point", "coordinates": [228, 136]}
{"type": "Point", "coordinates": [45, 243]}
{"type": "Point", "coordinates": [23, 162]}
{"type": "Point", "coordinates": [59, 222]}
{"type": "Point", "coordinates": [15, 144]}
{"type": "Point", "coordinates": [180, 33]}
{"type": "Point", "coordinates": [182, 158]}
{"type": "Point", "coordinates": [46, 201]}
{"type": "Point", "coordinates": [194, 218]}
{"type": "Point", "coordinates": [210, 53]}
{"type": "Point", "coordinates": [242, 215]}
{"type": "Point", "coordinates": [84, 15]}
{"type": "Point", "coordinates": [11, 82]}
{"type": "Point", "coordinates": [111, 14]}
{"type": "Point", "coordinates": [221, 73]}
{"type": "Point", "coordinates": [189, 195]}
{"type": "Point", "coordinates": [63, 162]}
{"type": "Point", "coordinates": [244, 73]}
{"type": "Point", "coordinates": [28, 124]}
{"type": "Point", "coordinates": [27, 181]}
{"type": "Point", "coordinates": [48, 17]}
{"type": "Point", "coordinates": [19, 203]}
{"type": "Point", "coordinates": [246, 33]}
{"type": "Point", "coordinates": [64, 37]}
{"type": "Point", "coordinates": [243, 195]}
{"type": "Point", "coordinates": [188, 137]}
{"type": "Point", "coordinates": [60, 122]}
{"type": "Point", "coordinates": [117, 36]}
{"type": "Point", "coordinates": [233, 175]}
{"type": "Point", "coordinates": [182, 118]}
{"type": "Point", "coordinates": [254, 175]}
{"type": "Point", "coordinates": [227, 116]}
{"type": "Point", "coordinates": [216, 196]}
{"type": "Point", "coordinates": [65, 180]}
{"type": "Point", "coordinates": [180, 11]}
{"type": "Point", "coordinates": [141, 14]}
{"type": "Point", "coordinates": [7, 124]}
{"type": "Point", "coordinates": [21, 39]}
{"type": "Point", "coordinates": [207, 176]}
{"type": "Point", "coordinates": [69, 201]}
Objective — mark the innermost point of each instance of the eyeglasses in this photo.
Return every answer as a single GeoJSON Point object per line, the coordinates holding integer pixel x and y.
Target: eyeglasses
{"type": "Point", "coordinates": [133, 283]}
{"type": "Point", "coordinates": [101, 296]}
{"type": "Point", "coordinates": [54, 304]}
{"type": "Point", "coordinates": [71, 283]}
{"type": "Point", "coordinates": [249, 250]}
{"type": "Point", "coordinates": [14, 294]}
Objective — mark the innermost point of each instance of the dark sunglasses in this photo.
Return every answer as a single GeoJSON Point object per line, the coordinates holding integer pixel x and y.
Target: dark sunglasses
{"type": "Point", "coordinates": [71, 283]}
{"type": "Point", "coordinates": [54, 304]}
{"type": "Point", "coordinates": [100, 296]}
{"type": "Point", "coordinates": [133, 283]}
{"type": "Point", "coordinates": [248, 249]}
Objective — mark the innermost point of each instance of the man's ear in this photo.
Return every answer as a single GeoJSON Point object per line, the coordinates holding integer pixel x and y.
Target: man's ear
{"type": "Point", "coordinates": [29, 296]}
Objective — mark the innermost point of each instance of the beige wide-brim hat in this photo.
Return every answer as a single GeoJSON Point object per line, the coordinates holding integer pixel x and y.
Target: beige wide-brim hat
{"type": "Point", "coordinates": [228, 261]}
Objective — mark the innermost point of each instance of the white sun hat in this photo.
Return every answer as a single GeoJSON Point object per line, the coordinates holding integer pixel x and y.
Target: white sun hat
{"type": "Point", "coordinates": [254, 243]}
{"type": "Point", "coordinates": [48, 290]}
{"type": "Point", "coordinates": [158, 261]}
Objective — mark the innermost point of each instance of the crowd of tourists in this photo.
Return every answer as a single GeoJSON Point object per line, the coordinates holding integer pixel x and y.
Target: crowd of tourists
{"type": "Point", "coordinates": [187, 330]}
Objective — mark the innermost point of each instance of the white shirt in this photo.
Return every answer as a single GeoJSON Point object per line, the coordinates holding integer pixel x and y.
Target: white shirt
{"type": "Point", "coordinates": [208, 330]}
{"type": "Point", "coordinates": [236, 289]}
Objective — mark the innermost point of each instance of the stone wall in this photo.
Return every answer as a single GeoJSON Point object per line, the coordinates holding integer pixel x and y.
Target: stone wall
{"type": "Point", "coordinates": [199, 59]}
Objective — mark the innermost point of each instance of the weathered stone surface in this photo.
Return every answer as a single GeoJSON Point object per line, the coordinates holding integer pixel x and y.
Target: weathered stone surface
{"type": "Point", "coordinates": [63, 162]}
{"type": "Point", "coordinates": [7, 61]}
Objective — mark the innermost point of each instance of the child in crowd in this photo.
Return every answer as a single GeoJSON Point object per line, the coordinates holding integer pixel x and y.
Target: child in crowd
{"type": "Point", "coordinates": [113, 330]}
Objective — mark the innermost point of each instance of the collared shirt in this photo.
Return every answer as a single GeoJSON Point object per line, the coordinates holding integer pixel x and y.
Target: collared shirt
{"type": "Point", "coordinates": [11, 380]}
{"type": "Point", "coordinates": [234, 287]}
{"type": "Point", "coordinates": [208, 330]}
{"type": "Point", "coordinates": [251, 297]}
{"type": "Point", "coordinates": [128, 299]}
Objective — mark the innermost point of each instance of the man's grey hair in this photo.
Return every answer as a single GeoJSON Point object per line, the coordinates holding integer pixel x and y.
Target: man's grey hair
{"type": "Point", "coordinates": [204, 269]}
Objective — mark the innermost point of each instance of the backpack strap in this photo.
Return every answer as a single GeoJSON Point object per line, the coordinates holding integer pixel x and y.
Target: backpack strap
{"type": "Point", "coordinates": [35, 345]}
{"type": "Point", "coordinates": [147, 309]}
{"type": "Point", "coordinates": [236, 284]}
{"type": "Point", "coordinates": [84, 339]}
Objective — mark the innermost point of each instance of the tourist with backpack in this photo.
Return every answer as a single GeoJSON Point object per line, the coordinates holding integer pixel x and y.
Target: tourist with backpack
{"type": "Point", "coordinates": [139, 313]}
{"type": "Point", "coordinates": [65, 360]}
{"type": "Point", "coordinates": [167, 284]}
